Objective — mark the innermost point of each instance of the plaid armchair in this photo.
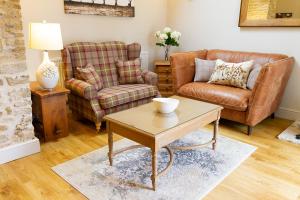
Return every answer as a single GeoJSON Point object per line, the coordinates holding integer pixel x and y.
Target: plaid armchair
{"type": "Point", "coordinates": [84, 99]}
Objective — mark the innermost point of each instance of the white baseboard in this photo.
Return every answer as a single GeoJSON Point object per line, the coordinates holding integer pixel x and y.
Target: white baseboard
{"type": "Point", "coordinates": [19, 150]}
{"type": "Point", "coordinates": [288, 113]}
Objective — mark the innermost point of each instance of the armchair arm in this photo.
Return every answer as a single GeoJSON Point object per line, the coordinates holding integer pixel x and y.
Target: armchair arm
{"type": "Point", "coordinates": [183, 67]}
{"type": "Point", "coordinates": [268, 90]}
{"type": "Point", "coordinates": [81, 88]}
{"type": "Point", "coordinates": [150, 78]}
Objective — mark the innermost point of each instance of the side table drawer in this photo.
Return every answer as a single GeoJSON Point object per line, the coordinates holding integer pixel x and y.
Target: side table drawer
{"type": "Point", "coordinates": [162, 78]}
{"type": "Point", "coordinates": [165, 87]}
{"type": "Point", "coordinates": [163, 69]}
{"type": "Point", "coordinates": [166, 94]}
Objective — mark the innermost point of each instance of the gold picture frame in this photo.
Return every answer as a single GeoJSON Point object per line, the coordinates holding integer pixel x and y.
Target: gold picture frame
{"type": "Point", "coordinates": [253, 15]}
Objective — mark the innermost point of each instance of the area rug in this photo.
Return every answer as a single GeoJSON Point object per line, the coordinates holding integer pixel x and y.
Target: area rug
{"type": "Point", "coordinates": [290, 133]}
{"type": "Point", "coordinates": [193, 175]}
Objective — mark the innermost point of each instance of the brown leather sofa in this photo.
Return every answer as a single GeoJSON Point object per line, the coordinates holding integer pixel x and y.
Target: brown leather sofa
{"type": "Point", "coordinates": [248, 107]}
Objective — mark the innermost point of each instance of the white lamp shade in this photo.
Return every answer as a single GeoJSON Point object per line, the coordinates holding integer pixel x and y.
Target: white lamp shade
{"type": "Point", "coordinates": [45, 36]}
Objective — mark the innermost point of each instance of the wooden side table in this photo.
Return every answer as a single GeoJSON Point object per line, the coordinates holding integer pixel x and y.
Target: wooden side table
{"type": "Point", "coordinates": [49, 112]}
{"type": "Point", "coordinates": [164, 71]}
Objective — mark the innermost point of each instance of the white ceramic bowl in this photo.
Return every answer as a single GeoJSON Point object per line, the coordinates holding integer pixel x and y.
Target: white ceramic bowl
{"type": "Point", "coordinates": [165, 105]}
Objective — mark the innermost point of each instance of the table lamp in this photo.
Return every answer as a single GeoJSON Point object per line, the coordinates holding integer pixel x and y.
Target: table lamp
{"type": "Point", "coordinates": [46, 36]}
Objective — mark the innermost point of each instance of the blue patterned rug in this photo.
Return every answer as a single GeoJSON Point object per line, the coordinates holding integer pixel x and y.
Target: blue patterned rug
{"type": "Point", "coordinates": [193, 174]}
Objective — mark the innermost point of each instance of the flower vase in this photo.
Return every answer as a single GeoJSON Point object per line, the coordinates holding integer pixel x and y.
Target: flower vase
{"type": "Point", "coordinates": [167, 50]}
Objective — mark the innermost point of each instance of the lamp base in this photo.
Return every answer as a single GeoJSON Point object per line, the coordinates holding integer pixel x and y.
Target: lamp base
{"type": "Point", "coordinates": [47, 73]}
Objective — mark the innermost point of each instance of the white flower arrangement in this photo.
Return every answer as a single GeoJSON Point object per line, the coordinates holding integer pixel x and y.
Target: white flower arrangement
{"type": "Point", "coordinates": [167, 38]}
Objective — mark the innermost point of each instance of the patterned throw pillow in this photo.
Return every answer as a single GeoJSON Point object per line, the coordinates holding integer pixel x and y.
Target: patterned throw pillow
{"type": "Point", "coordinates": [89, 75]}
{"type": "Point", "coordinates": [204, 69]}
{"type": "Point", "coordinates": [232, 74]}
{"type": "Point", "coordinates": [130, 71]}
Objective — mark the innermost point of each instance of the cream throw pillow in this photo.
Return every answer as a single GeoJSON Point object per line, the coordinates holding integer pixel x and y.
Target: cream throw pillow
{"type": "Point", "coordinates": [232, 74]}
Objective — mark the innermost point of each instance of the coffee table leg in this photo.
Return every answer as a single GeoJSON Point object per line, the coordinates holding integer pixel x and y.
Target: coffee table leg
{"type": "Point", "coordinates": [110, 144]}
{"type": "Point", "coordinates": [153, 177]}
{"type": "Point", "coordinates": [216, 130]}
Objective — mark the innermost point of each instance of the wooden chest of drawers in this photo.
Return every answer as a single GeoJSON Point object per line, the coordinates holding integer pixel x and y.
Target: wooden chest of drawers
{"type": "Point", "coordinates": [164, 71]}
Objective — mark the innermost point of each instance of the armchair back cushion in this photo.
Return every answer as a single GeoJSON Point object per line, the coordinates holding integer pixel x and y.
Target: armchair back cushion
{"type": "Point", "coordinates": [102, 56]}
{"type": "Point", "coordinates": [130, 71]}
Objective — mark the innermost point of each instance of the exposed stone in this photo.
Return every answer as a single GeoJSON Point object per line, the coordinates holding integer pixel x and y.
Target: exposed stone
{"type": "Point", "coordinates": [17, 80]}
{"type": "Point", "coordinates": [3, 128]}
{"type": "Point", "coordinates": [3, 139]}
{"type": "Point", "coordinates": [22, 103]}
{"type": "Point", "coordinates": [16, 94]}
{"type": "Point", "coordinates": [15, 98]}
{"type": "Point", "coordinates": [7, 120]}
{"type": "Point", "coordinates": [1, 45]}
{"type": "Point", "coordinates": [23, 111]}
{"type": "Point", "coordinates": [12, 68]}
{"type": "Point", "coordinates": [8, 110]}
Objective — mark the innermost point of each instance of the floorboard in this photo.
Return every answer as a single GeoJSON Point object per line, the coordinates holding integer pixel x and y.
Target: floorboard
{"type": "Point", "coordinates": [272, 172]}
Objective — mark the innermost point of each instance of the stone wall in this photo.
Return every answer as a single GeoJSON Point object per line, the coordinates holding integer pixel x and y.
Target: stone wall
{"type": "Point", "coordinates": [15, 102]}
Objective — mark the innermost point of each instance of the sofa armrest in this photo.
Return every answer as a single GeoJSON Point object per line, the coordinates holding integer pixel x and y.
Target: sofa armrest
{"type": "Point", "coordinates": [183, 67]}
{"type": "Point", "coordinates": [268, 91]}
{"type": "Point", "coordinates": [150, 78]}
{"type": "Point", "coordinates": [81, 88]}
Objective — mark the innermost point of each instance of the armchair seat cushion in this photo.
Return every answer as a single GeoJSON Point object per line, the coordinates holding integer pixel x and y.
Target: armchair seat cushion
{"type": "Point", "coordinates": [228, 97]}
{"type": "Point", "coordinates": [122, 94]}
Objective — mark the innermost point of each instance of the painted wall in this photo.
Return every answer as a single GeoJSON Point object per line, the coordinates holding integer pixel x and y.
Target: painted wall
{"type": "Point", "coordinates": [150, 16]}
{"type": "Point", "coordinates": [214, 24]}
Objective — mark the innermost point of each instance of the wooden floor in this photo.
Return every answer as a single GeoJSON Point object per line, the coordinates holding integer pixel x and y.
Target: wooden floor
{"type": "Point", "coordinates": [272, 172]}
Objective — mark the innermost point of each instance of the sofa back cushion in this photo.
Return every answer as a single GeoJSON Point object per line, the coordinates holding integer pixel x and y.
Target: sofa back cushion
{"type": "Point", "coordinates": [134, 51]}
{"type": "Point", "coordinates": [130, 71]}
{"type": "Point", "coordinates": [102, 56]}
{"type": "Point", "coordinates": [238, 56]}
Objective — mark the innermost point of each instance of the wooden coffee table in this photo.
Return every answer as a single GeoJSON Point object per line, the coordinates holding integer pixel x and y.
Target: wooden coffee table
{"type": "Point", "coordinates": [154, 130]}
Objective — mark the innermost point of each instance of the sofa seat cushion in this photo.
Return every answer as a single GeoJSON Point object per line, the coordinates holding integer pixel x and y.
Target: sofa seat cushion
{"type": "Point", "coordinates": [122, 94]}
{"type": "Point", "coordinates": [226, 96]}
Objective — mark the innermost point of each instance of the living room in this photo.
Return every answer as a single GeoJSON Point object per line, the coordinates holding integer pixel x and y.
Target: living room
{"type": "Point", "coordinates": [160, 99]}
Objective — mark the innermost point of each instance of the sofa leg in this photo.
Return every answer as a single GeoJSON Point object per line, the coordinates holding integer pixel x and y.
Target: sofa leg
{"type": "Point", "coordinates": [273, 116]}
{"type": "Point", "coordinates": [98, 126]}
{"type": "Point", "coordinates": [250, 130]}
